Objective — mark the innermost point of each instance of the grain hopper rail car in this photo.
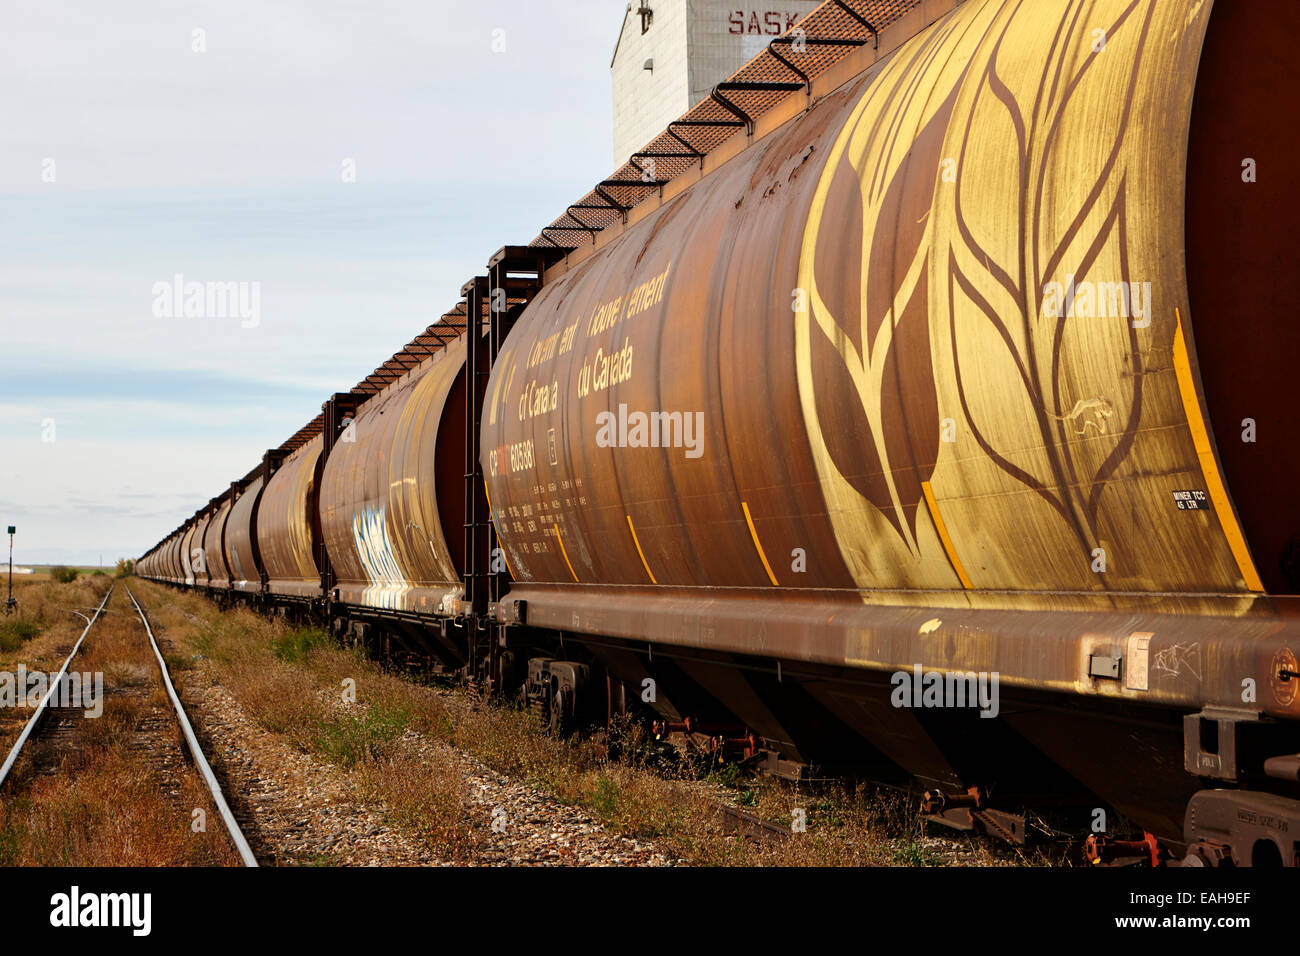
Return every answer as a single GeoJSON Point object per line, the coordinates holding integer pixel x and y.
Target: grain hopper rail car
{"type": "Point", "coordinates": [920, 403]}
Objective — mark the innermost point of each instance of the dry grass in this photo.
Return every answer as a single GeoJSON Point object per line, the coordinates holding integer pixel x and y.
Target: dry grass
{"type": "Point", "coordinates": [291, 681]}
{"type": "Point", "coordinates": [110, 812]}
{"type": "Point", "coordinates": [44, 604]}
{"type": "Point", "coordinates": [425, 798]}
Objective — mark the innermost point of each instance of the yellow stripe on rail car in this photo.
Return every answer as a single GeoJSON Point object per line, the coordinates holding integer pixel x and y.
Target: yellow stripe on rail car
{"type": "Point", "coordinates": [645, 564]}
{"type": "Point", "coordinates": [753, 533]}
{"type": "Point", "coordinates": [565, 553]}
{"type": "Point", "coordinates": [946, 541]}
{"type": "Point", "coordinates": [1218, 492]}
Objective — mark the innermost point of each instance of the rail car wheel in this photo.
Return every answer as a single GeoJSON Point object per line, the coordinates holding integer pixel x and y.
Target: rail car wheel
{"type": "Point", "coordinates": [556, 722]}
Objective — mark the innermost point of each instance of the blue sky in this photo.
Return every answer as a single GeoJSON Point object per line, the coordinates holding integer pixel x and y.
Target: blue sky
{"type": "Point", "coordinates": [226, 165]}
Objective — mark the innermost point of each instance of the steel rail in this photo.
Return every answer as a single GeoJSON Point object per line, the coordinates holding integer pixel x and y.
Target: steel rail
{"type": "Point", "coordinates": [54, 689]}
{"type": "Point", "coordinates": [227, 817]}
{"type": "Point", "coordinates": [750, 826]}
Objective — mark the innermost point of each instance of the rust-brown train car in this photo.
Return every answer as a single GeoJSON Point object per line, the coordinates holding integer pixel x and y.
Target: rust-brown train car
{"type": "Point", "coordinates": [966, 371]}
{"type": "Point", "coordinates": [913, 383]}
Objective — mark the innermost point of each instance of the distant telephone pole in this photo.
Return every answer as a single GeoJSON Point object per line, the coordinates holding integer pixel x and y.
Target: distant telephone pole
{"type": "Point", "coordinates": [10, 604]}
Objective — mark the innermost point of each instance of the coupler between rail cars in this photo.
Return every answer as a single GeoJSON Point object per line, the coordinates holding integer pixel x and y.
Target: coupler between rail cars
{"type": "Point", "coordinates": [1222, 828]}
{"type": "Point", "coordinates": [721, 742]}
{"type": "Point", "coordinates": [1101, 850]}
{"type": "Point", "coordinates": [971, 811]}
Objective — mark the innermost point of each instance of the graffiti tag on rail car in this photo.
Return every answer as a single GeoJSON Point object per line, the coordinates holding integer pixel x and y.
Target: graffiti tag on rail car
{"type": "Point", "coordinates": [1177, 658]}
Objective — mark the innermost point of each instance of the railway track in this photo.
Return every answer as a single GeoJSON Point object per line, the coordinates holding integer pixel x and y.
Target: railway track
{"type": "Point", "coordinates": [750, 826]}
{"type": "Point", "coordinates": [43, 707]}
{"type": "Point", "coordinates": [44, 721]}
{"type": "Point", "coordinates": [192, 742]}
